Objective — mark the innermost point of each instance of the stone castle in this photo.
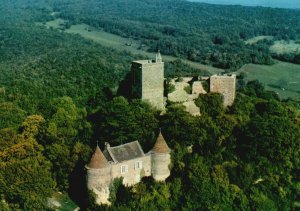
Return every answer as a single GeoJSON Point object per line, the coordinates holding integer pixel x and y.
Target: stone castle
{"type": "Point", "coordinates": [148, 84]}
{"type": "Point", "coordinates": [129, 162]}
{"type": "Point", "coordinates": [148, 81]}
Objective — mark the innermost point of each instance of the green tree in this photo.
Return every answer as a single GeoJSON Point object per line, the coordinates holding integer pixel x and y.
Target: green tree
{"type": "Point", "coordinates": [121, 121]}
{"type": "Point", "coordinates": [210, 104]}
{"type": "Point", "coordinates": [11, 115]}
{"type": "Point", "coordinates": [25, 175]}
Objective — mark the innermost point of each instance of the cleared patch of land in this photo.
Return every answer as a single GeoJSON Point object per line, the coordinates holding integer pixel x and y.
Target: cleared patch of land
{"type": "Point", "coordinates": [56, 24]}
{"type": "Point", "coordinates": [282, 77]}
{"type": "Point", "coordinates": [285, 47]}
{"type": "Point", "coordinates": [120, 43]}
{"type": "Point", "coordinates": [106, 39]}
{"type": "Point", "coordinates": [258, 38]}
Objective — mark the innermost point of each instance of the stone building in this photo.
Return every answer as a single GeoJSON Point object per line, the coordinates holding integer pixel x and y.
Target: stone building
{"type": "Point", "coordinates": [225, 85]}
{"type": "Point", "coordinates": [148, 84]}
{"type": "Point", "coordinates": [148, 81]}
{"type": "Point", "coordinates": [129, 162]}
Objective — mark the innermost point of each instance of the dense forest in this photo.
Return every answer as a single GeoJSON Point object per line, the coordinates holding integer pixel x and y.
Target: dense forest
{"type": "Point", "coordinates": [58, 96]}
{"type": "Point", "coordinates": [205, 33]}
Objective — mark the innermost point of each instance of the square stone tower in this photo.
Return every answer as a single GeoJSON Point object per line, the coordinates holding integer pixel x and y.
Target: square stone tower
{"type": "Point", "coordinates": [148, 81]}
{"type": "Point", "coordinates": [225, 85]}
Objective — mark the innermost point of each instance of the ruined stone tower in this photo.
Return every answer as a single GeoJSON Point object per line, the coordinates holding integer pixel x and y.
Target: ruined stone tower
{"type": "Point", "coordinates": [225, 85]}
{"type": "Point", "coordinates": [129, 162]}
{"type": "Point", "coordinates": [148, 81]}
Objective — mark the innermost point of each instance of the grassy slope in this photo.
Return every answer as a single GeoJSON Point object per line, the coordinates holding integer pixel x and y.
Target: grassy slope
{"type": "Point", "coordinates": [283, 78]}
{"type": "Point", "coordinates": [283, 47]}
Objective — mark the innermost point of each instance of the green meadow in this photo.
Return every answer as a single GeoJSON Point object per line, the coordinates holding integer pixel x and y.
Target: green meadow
{"type": "Point", "coordinates": [285, 47]}
{"type": "Point", "coordinates": [282, 77]}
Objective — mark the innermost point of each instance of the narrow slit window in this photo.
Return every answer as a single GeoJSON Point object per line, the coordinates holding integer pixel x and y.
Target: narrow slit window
{"type": "Point", "coordinates": [138, 165]}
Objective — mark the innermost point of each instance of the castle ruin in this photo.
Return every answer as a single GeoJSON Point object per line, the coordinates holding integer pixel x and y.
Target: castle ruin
{"type": "Point", "coordinates": [148, 81]}
{"type": "Point", "coordinates": [225, 85]}
{"type": "Point", "coordinates": [127, 161]}
{"type": "Point", "coordinates": [148, 84]}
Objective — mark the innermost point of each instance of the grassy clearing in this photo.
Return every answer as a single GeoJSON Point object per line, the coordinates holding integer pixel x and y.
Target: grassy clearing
{"type": "Point", "coordinates": [283, 47]}
{"type": "Point", "coordinates": [121, 43]}
{"type": "Point", "coordinates": [56, 24]}
{"type": "Point", "coordinates": [283, 78]}
{"type": "Point", "coordinates": [258, 38]}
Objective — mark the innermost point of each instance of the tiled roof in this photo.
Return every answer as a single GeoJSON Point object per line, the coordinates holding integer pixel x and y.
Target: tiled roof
{"type": "Point", "coordinates": [125, 152]}
{"type": "Point", "coordinates": [160, 145]}
{"type": "Point", "coordinates": [98, 160]}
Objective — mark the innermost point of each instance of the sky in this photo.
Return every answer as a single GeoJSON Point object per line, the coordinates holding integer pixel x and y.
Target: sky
{"type": "Point", "coordinates": [266, 3]}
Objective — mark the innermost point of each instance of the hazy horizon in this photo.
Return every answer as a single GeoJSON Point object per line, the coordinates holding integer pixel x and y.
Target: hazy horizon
{"type": "Point", "coordinates": [291, 4]}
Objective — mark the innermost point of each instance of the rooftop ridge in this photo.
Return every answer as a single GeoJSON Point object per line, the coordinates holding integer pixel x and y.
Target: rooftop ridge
{"type": "Point", "coordinates": [125, 144]}
{"type": "Point", "coordinates": [126, 151]}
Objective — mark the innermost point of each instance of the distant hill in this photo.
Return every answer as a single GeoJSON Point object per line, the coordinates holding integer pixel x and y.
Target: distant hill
{"type": "Point", "coordinates": [275, 3]}
{"type": "Point", "coordinates": [210, 34]}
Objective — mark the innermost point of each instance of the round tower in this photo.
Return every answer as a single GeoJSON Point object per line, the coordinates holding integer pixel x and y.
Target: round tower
{"type": "Point", "coordinates": [160, 159]}
{"type": "Point", "coordinates": [98, 176]}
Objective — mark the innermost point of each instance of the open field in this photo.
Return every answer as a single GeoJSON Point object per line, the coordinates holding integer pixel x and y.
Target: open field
{"type": "Point", "coordinates": [282, 77]}
{"type": "Point", "coordinates": [121, 43]}
{"type": "Point", "coordinates": [55, 23]}
{"type": "Point", "coordinates": [258, 38]}
{"type": "Point", "coordinates": [283, 47]}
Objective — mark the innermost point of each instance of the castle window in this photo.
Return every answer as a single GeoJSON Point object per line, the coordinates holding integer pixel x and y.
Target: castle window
{"type": "Point", "coordinates": [124, 169]}
{"type": "Point", "coordinates": [138, 165]}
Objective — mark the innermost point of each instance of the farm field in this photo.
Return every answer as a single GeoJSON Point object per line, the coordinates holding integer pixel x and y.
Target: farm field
{"type": "Point", "coordinates": [121, 43]}
{"type": "Point", "coordinates": [282, 77]}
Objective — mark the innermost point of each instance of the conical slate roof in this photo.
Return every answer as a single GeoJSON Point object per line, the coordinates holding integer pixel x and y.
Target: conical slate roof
{"type": "Point", "coordinates": [160, 145]}
{"type": "Point", "coordinates": [98, 160]}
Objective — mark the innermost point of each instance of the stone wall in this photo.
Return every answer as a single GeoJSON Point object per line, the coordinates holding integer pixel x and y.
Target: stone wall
{"type": "Point", "coordinates": [149, 82]}
{"type": "Point", "coordinates": [98, 180]}
{"type": "Point", "coordinates": [225, 85]}
{"type": "Point", "coordinates": [197, 88]}
{"type": "Point", "coordinates": [160, 166]}
{"type": "Point", "coordinates": [133, 175]}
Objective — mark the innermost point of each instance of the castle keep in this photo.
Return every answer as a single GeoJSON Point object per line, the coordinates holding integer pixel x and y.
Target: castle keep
{"type": "Point", "coordinates": [129, 162]}
{"type": "Point", "coordinates": [148, 81]}
{"type": "Point", "coordinates": [225, 85]}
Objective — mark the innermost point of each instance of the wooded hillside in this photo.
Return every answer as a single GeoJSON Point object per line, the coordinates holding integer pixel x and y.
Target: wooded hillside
{"type": "Point", "coordinates": [58, 97]}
